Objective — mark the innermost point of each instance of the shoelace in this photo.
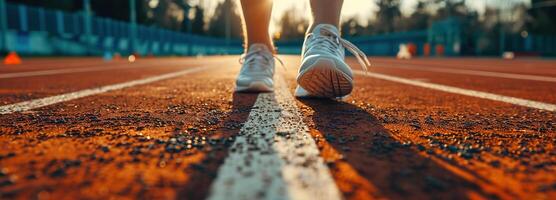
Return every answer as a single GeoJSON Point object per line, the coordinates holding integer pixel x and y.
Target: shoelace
{"type": "Point", "coordinates": [331, 46]}
{"type": "Point", "coordinates": [245, 56]}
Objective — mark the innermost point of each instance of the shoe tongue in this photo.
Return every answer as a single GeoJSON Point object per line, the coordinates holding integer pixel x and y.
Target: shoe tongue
{"type": "Point", "coordinates": [318, 30]}
{"type": "Point", "coordinates": [258, 47]}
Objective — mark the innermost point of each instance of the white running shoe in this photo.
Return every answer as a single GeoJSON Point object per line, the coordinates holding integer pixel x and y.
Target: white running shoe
{"type": "Point", "coordinates": [257, 72]}
{"type": "Point", "coordinates": [323, 72]}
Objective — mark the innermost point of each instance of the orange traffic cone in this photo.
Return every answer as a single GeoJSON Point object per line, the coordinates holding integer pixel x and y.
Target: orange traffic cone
{"type": "Point", "coordinates": [412, 48]}
{"type": "Point", "coordinates": [117, 56]}
{"type": "Point", "coordinates": [12, 59]}
{"type": "Point", "coordinates": [426, 49]}
{"type": "Point", "coordinates": [439, 50]}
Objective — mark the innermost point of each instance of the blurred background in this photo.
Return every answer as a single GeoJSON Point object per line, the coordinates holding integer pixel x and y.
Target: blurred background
{"type": "Point", "coordinates": [207, 27]}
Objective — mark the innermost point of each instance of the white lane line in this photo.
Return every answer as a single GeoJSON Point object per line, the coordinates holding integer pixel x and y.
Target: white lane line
{"type": "Point", "coordinates": [37, 103]}
{"type": "Point", "coordinates": [274, 156]}
{"type": "Point", "coordinates": [461, 91]}
{"type": "Point", "coordinates": [475, 72]}
{"type": "Point", "coordinates": [66, 71]}
{"type": "Point", "coordinates": [86, 69]}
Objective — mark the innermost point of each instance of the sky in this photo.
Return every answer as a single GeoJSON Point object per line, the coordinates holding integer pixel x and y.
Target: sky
{"type": "Point", "coordinates": [362, 10]}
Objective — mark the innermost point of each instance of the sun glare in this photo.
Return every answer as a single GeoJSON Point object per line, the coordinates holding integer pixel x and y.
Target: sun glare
{"type": "Point", "coordinates": [361, 10]}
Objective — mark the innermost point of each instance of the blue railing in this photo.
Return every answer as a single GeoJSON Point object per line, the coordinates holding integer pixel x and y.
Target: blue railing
{"type": "Point", "coordinates": [538, 44]}
{"type": "Point", "coordinates": [377, 45]}
{"type": "Point", "coordinates": [32, 30]}
{"type": "Point", "coordinates": [62, 32]}
{"type": "Point", "coordinates": [40, 31]}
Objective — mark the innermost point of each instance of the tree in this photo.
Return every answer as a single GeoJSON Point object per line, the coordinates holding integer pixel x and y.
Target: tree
{"type": "Point", "coordinates": [351, 27]}
{"type": "Point", "coordinates": [198, 24]}
{"type": "Point", "coordinates": [388, 16]}
{"type": "Point", "coordinates": [118, 10]}
{"type": "Point", "coordinates": [67, 5]}
{"type": "Point", "coordinates": [225, 13]}
{"type": "Point", "coordinates": [544, 17]}
{"type": "Point", "coordinates": [292, 26]}
{"type": "Point", "coordinates": [168, 14]}
{"type": "Point", "coordinates": [450, 8]}
{"type": "Point", "coordinates": [418, 20]}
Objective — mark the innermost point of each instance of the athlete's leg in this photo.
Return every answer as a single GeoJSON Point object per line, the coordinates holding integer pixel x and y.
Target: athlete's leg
{"type": "Point", "coordinates": [323, 71]}
{"type": "Point", "coordinates": [257, 71]}
{"type": "Point", "coordinates": [325, 12]}
{"type": "Point", "coordinates": [256, 20]}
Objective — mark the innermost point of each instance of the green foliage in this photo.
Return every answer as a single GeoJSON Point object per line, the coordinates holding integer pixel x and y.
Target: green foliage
{"type": "Point", "coordinates": [539, 19]}
{"type": "Point", "coordinates": [544, 17]}
{"type": "Point", "coordinates": [225, 19]}
{"type": "Point", "coordinates": [388, 16]}
{"type": "Point", "coordinates": [198, 24]}
{"type": "Point", "coordinates": [67, 5]}
{"type": "Point", "coordinates": [292, 26]}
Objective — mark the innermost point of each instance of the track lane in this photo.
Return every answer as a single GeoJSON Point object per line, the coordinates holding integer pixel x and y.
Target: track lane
{"type": "Point", "coordinates": [477, 140]}
{"type": "Point", "coordinates": [36, 64]}
{"type": "Point", "coordinates": [13, 90]}
{"type": "Point", "coordinates": [273, 156]}
{"type": "Point", "coordinates": [40, 64]}
{"type": "Point", "coordinates": [390, 140]}
{"type": "Point", "coordinates": [64, 67]}
{"type": "Point", "coordinates": [371, 142]}
{"type": "Point", "coordinates": [128, 143]}
{"type": "Point", "coordinates": [517, 66]}
{"type": "Point", "coordinates": [42, 102]}
{"type": "Point", "coordinates": [473, 72]}
{"type": "Point", "coordinates": [525, 89]}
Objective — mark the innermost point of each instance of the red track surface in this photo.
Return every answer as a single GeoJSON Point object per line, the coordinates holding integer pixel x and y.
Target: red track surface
{"type": "Point", "coordinates": [388, 140]}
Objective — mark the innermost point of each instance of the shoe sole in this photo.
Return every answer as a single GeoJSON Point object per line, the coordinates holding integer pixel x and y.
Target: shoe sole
{"type": "Point", "coordinates": [323, 79]}
{"type": "Point", "coordinates": [255, 86]}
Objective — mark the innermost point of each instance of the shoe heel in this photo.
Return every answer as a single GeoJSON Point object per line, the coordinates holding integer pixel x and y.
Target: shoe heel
{"type": "Point", "coordinates": [323, 79]}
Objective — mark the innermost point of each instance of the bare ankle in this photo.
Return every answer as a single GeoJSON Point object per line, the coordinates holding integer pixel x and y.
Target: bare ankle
{"type": "Point", "coordinates": [269, 45]}
{"type": "Point", "coordinates": [314, 24]}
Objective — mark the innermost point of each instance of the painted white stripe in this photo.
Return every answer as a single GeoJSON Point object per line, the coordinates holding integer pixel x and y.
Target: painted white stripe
{"type": "Point", "coordinates": [146, 64]}
{"type": "Point", "coordinates": [67, 71]}
{"type": "Point", "coordinates": [461, 91]}
{"type": "Point", "coordinates": [274, 156]}
{"type": "Point", "coordinates": [37, 103]}
{"type": "Point", "coordinates": [475, 72]}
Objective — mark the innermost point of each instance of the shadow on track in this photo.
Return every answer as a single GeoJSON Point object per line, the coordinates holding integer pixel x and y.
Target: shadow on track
{"type": "Point", "coordinates": [202, 175]}
{"type": "Point", "coordinates": [396, 171]}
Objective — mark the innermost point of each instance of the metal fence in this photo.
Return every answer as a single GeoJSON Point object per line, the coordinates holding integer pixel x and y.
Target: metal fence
{"type": "Point", "coordinates": [449, 37]}
{"type": "Point", "coordinates": [34, 30]}
{"type": "Point", "coordinates": [72, 33]}
{"type": "Point", "coordinates": [376, 45]}
{"type": "Point", "coordinates": [530, 44]}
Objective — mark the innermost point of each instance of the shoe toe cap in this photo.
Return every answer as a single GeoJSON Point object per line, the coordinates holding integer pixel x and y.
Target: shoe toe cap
{"type": "Point", "coordinates": [248, 80]}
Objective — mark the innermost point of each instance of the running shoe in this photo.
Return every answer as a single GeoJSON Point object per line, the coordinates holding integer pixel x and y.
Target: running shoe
{"type": "Point", "coordinates": [324, 72]}
{"type": "Point", "coordinates": [257, 71]}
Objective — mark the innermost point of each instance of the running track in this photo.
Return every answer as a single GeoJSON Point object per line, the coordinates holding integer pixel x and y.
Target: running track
{"type": "Point", "coordinates": [170, 128]}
